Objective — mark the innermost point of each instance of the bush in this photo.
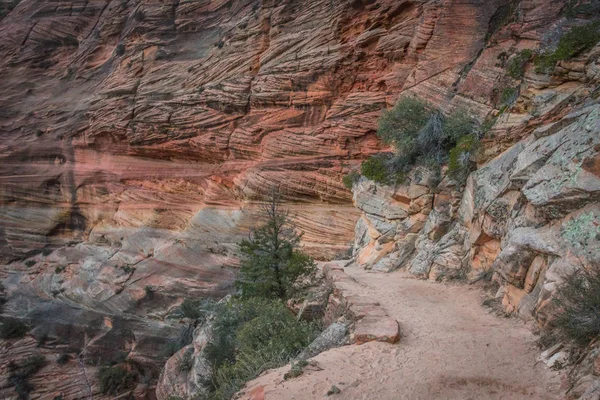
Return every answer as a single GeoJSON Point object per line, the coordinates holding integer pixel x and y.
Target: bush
{"type": "Point", "coordinates": [350, 179]}
{"type": "Point", "coordinates": [587, 9]}
{"type": "Point", "coordinates": [578, 40]}
{"type": "Point", "coordinates": [400, 125]}
{"type": "Point", "coordinates": [579, 301]}
{"type": "Point", "coordinates": [250, 336]}
{"type": "Point", "coordinates": [196, 310]}
{"type": "Point", "coordinates": [272, 264]}
{"type": "Point", "coordinates": [516, 66]}
{"type": "Point", "coordinates": [20, 374]}
{"type": "Point", "coordinates": [120, 49]}
{"type": "Point", "coordinates": [509, 96]}
{"type": "Point", "coordinates": [30, 263]}
{"type": "Point", "coordinates": [459, 163]}
{"type": "Point", "coordinates": [420, 135]}
{"type": "Point", "coordinates": [115, 379]}
{"type": "Point", "coordinates": [375, 169]}
{"type": "Point", "coordinates": [13, 329]}
{"type": "Point", "coordinates": [185, 337]}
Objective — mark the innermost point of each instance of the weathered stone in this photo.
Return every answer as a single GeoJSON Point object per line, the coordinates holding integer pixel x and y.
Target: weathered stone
{"type": "Point", "coordinates": [334, 335]}
{"type": "Point", "coordinates": [512, 298]}
{"type": "Point", "coordinates": [374, 328]}
{"type": "Point", "coordinates": [373, 322]}
{"type": "Point", "coordinates": [533, 273]}
{"type": "Point", "coordinates": [562, 185]}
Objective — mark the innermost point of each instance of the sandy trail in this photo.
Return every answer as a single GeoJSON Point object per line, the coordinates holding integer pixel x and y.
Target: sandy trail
{"type": "Point", "coordinates": [451, 348]}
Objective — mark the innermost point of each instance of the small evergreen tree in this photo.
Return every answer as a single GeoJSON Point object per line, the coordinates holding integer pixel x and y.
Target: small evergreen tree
{"type": "Point", "coordinates": [272, 266]}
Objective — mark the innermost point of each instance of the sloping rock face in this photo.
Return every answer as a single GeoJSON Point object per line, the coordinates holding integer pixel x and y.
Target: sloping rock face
{"type": "Point", "coordinates": [137, 138]}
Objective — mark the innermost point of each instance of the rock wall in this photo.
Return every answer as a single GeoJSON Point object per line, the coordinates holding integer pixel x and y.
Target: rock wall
{"type": "Point", "coordinates": [138, 136]}
{"type": "Point", "coordinates": [528, 220]}
{"type": "Point", "coordinates": [529, 216]}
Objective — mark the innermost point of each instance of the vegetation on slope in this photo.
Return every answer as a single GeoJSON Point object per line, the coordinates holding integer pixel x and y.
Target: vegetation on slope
{"type": "Point", "coordinates": [421, 135]}
{"type": "Point", "coordinates": [254, 330]}
{"type": "Point", "coordinates": [578, 40]}
{"type": "Point", "coordinates": [250, 336]}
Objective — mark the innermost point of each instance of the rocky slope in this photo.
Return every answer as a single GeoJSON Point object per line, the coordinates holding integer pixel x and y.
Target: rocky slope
{"type": "Point", "coordinates": [137, 136]}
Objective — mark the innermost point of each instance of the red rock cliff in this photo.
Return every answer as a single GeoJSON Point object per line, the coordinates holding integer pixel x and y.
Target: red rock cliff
{"type": "Point", "coordinates": [143, 132]}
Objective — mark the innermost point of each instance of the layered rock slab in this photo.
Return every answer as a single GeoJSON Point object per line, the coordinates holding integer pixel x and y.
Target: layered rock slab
{"type": "Point", "coordinates": [372, 321]}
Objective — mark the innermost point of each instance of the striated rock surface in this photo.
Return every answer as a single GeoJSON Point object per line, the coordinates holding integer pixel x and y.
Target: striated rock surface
{"type": "Point", "coordinates": [138, 137]}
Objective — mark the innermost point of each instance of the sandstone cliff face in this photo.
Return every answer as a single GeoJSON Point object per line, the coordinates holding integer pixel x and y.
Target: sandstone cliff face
{"type": "Point", "coordinates": [141, 134]}
{"type": "Point", "coordinates": [137, 137]}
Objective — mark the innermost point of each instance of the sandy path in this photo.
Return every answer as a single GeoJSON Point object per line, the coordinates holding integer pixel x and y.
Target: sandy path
{"type": "Point", "coordinates": [451, 348]}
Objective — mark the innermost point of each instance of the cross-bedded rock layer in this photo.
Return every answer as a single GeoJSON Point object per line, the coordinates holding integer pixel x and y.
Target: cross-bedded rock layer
{"type": "Point", "coordinates": [142, 134]}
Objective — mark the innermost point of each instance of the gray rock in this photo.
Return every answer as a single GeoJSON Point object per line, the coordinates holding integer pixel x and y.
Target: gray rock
{"type": "Point", "coordinates": [335, 335]}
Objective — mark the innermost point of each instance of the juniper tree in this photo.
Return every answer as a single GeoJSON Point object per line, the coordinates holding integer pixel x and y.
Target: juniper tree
{"type": "Point", "coordinates": [272, 265]}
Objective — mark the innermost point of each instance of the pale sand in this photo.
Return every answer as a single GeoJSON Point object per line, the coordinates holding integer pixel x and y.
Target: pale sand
{"type": "Point", "coordinates": [451, 348]}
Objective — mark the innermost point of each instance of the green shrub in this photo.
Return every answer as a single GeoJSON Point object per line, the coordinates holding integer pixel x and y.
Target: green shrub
{"type": "Point", "coordinates": [420, 135]}
{"type": "Point", "coordinates": [579, 301]}
{"type": "Point", "coordinates": [459, 163]}
{"type": "Point", "coordinates": [196, 310]}
{"type": "Point", "coordinates": [120, 49]}
{"type": "Point", "coordinates": [63, 359]}
{"type": "Point", "coordinates": [186, 362]}
{"type": "Point", "coordinates": [250, 336]}
{"type": "Point", "coordinates": [115, 379]}
{"type": "Point", "coordinates": [272, 264]}
{"type": "Point", "coordinates": [128, 269]}
{"type": "Point", "coordinates": [350, 179]}
{"type": "Point", "coordinates": [374, 168]}
{"type": "Point", "coordinates": [20, 373]}
{"type": "Point", "coordinates": [13, 329]}
{"type": "Point", "coordinates": [185, 337]}
{"type": "Point", "coordinates": [516, 66]}
{"type": "Point", "coordinates": [459, 125]}
{"type": "Point", "coordinates": [400, 126]}
{"type": "Point", "coordinates": [578, 40]}
{"type": "Point", "coordinates": [509, 96]}
{"type": "Point", "coordinates": [30, 263]}
{"type": "Point", "coordinates": [190, 309]}
{"type": "Point", "coordinates": [586, 9]}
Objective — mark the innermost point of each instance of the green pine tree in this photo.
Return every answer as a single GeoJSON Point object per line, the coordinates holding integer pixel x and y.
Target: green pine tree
{"type": "Point", "coordinates": [272, 265]}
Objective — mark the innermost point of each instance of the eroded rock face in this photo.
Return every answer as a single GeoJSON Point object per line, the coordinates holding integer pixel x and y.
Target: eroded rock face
{"type": "Point", "coordinates": [137, 138]}
{"type": "Point", "coordinates": [528, 218]}
{"type": "Point", "coordinates": [142, 135]}
{"type": "Point", "coordinates": [392, 217]}
{"type": "Point", "coordinates": [182, 381]}
{"type": "Point", "coordinates": [503, 222]}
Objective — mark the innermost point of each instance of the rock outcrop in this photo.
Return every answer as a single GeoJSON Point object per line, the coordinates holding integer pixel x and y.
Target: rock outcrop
{"type": "Point", "coordinates": [372, 322]}
{"type": "Point", "coordinates": [528, 218]}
